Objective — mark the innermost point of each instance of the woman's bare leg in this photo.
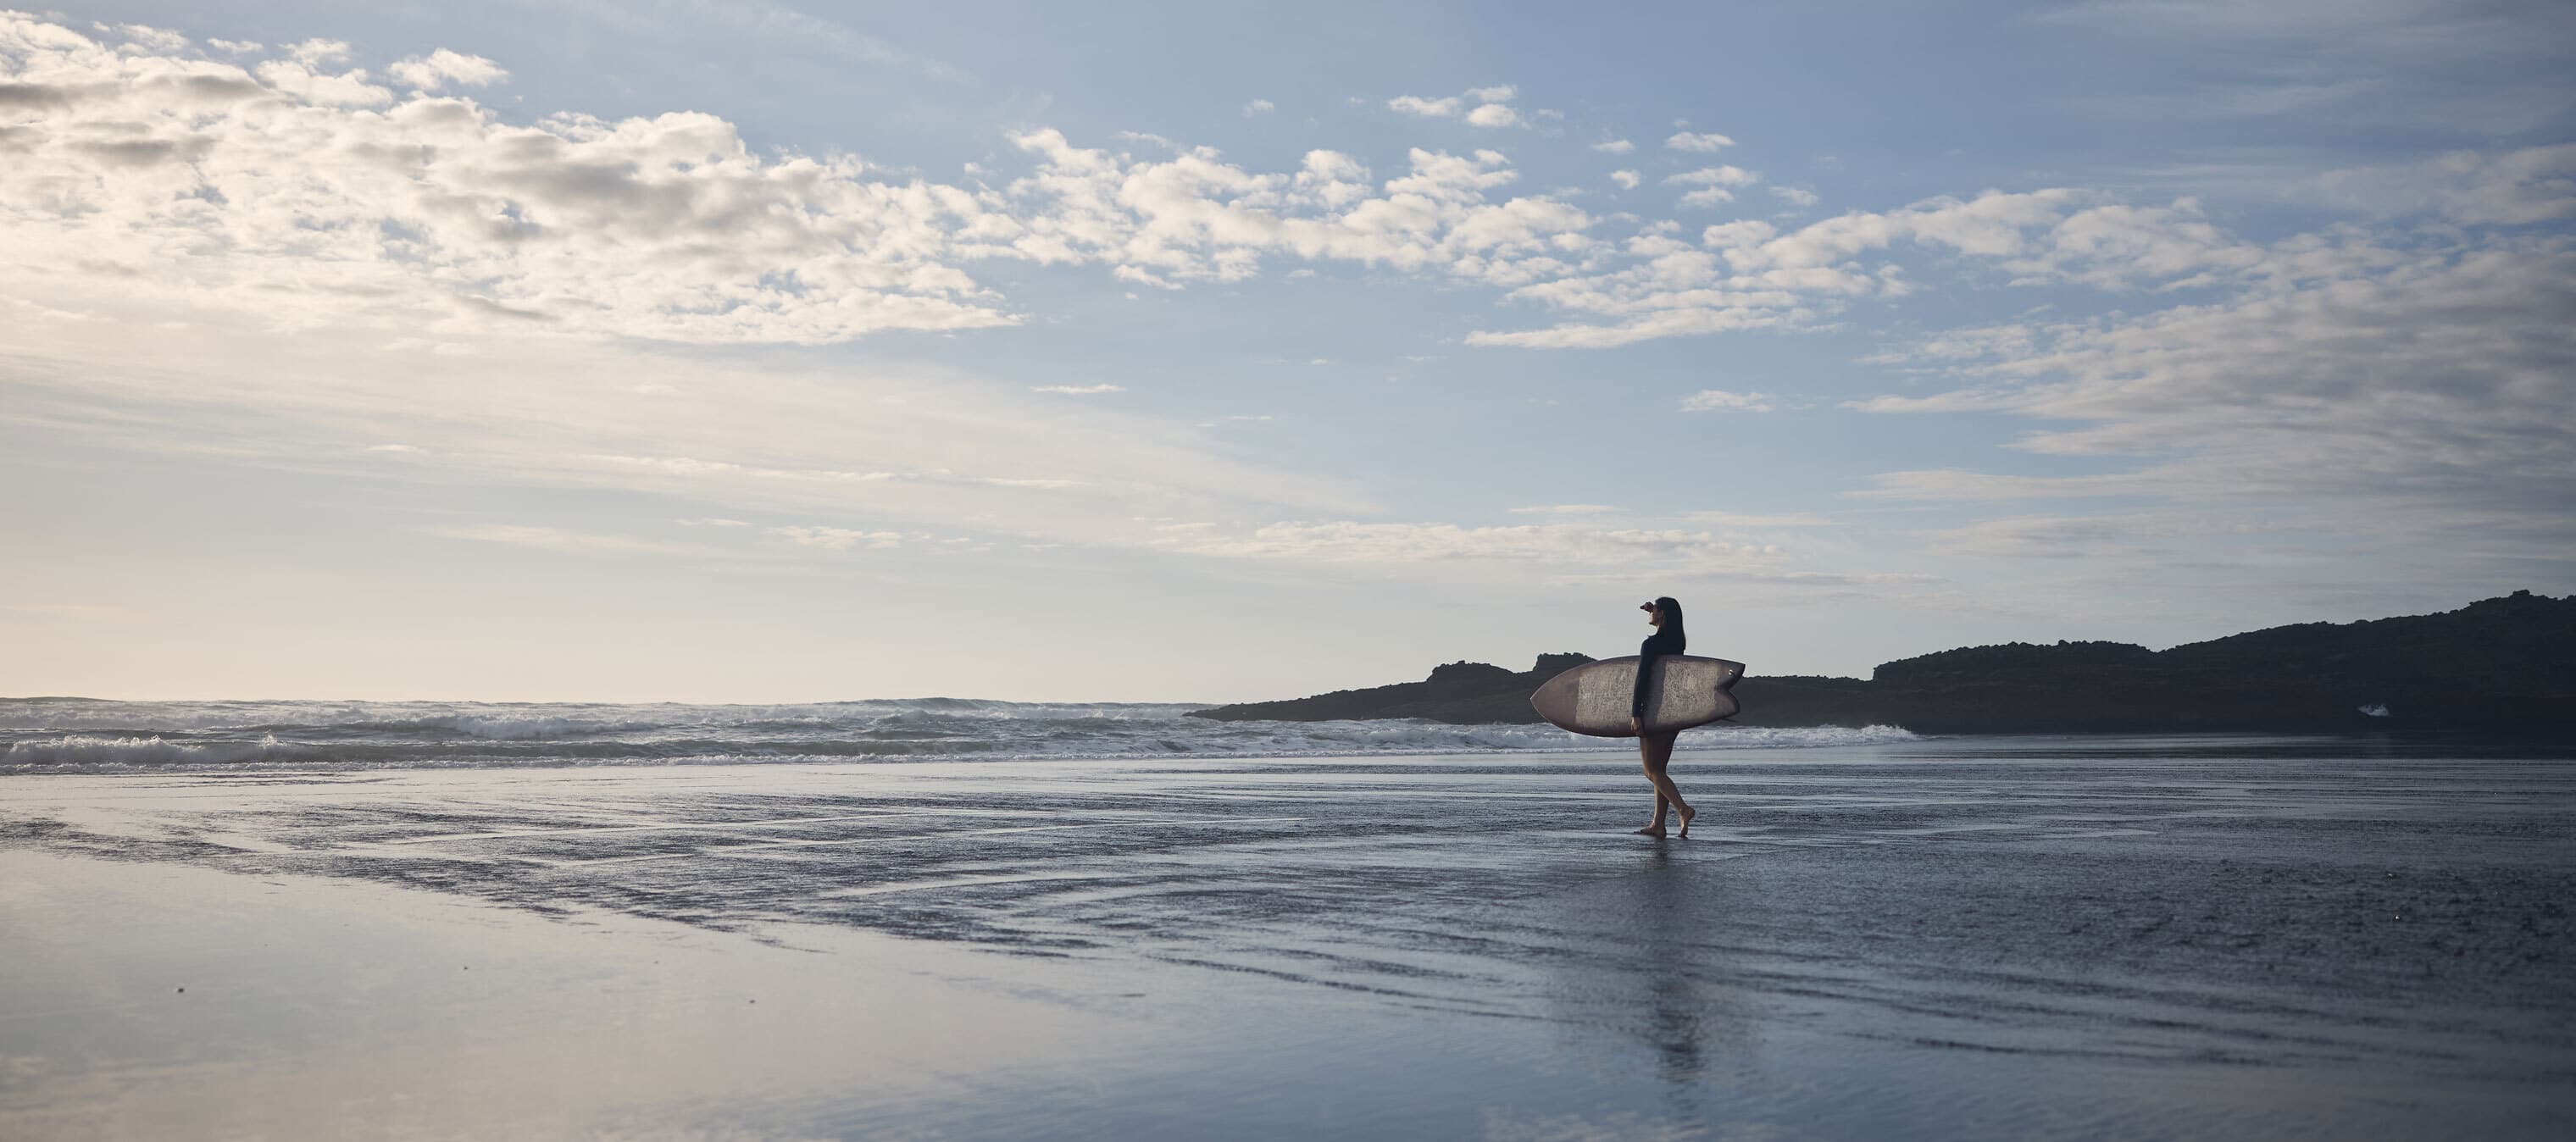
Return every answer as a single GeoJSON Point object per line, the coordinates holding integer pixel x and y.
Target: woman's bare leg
{"type": "Point", "coordinates": [1646, 757]}
{"type": "Point", "coordinates": [1658, 751]}
{"type": "Point", "coordinates": [1655, 826]}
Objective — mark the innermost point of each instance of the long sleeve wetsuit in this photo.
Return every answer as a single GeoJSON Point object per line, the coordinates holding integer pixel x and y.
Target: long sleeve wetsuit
{"type": "Point", "coordinates": [1660, 643]}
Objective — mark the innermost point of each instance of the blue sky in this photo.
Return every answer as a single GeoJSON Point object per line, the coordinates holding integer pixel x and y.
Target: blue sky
{"type": "Point", "coordinates": [582, 350]}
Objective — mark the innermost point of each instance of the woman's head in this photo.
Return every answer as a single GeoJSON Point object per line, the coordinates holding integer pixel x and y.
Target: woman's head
{"type": "Point", "coordinates": [1665, 612]}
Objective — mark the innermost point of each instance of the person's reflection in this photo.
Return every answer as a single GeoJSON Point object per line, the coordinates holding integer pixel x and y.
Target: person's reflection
{"type": "Point", "coordinates": [1657, 969]}
{"type": "Point", "coordinates": [1671, 1022]}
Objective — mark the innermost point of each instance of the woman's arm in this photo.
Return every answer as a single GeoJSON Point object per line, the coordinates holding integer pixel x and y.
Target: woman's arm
{"type": "Point", "coordinates": [1651, 649]}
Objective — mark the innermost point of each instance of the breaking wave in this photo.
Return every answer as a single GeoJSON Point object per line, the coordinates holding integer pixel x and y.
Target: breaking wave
{"type": "Point", "coordinates": [82, 735]}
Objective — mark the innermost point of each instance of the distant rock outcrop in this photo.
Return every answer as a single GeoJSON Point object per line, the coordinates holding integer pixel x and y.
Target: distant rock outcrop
{"type": "Point", "coordinates": [1460, 693]}
{"type": "Point", "coordinates": [2501, 664]}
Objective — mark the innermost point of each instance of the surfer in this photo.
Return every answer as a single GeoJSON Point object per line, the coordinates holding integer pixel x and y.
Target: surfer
{"type": "Point", "coordinates": [1656, 749]}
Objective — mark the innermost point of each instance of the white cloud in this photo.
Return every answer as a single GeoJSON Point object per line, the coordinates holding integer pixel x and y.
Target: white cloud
{"type": "Point", "coordinates": [838, 538]}
{"type": "Point", "coordinates": [1627, 180]}
{"type": "Point", "coordinates": [1795, 196]}
{"type": "Point", "coordinates": [1564, 509]}
{"type": "Point", "coordinates": [1566, 545]}
{"type": "Point", "coordinates": [1558, 553]}
{"type": "Point", "coordinates": [347, 89]}
{"type": "Point", "coordinates": [1195, 218]}
{"type": "Point", "coordinates": [740, 441]}
{"type": "Point", "coordinates": [1728, 175]}
{"type": "Point", "coordinates": [2051, 537]}
{"type": "Point", "coordinates": [1259, 107]}
{"type": "Point", "coordinates": [2535, 184]}
{"type": "Point", "coordinates": [1427, 108]}
{"type": "Point", "coordinates": [569, 542]}
{"type": "Point", "coordinates": [146, 38]}
{"type": "Point", "coordinates": [1686, 141]}
{"type": "Point", "coordinates": [1487, 107]}
{"type": "Point", "coordinates": [1720, 400]}
{"type": "Point", "coordinates": [1615, 147]}
{"type": "Point", "coordinates": [1749, 275]}
{"type": "Point", "coordinates": [1738, 519]}
{"type": "Point", "coordinates": [1713, 183]}
{"type": "Point", "coordinates": [443, 67]}
{"type": "Point", "coordinates": [318, 53]}
{"type": "Point", "coordinates": [1955, 484]}
{"type": "Point", "coordinates": [301, 197]}
{"type": "Point", "coordinates": [1079, 390]}
{"type": "Point", "coordinates": [2414, 396]}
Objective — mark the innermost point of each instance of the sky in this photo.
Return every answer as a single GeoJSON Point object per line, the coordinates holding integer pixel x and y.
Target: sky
{"type": "Point", "coordinates": [526, 350]}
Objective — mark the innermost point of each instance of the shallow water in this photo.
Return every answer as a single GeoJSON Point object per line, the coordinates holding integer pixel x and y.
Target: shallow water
{"type": "Point", "coordinates": [2251, 937]}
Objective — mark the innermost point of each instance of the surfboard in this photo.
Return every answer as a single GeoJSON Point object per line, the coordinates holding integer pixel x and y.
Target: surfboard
{"type": "Point", "coordinates": [1685, 691]}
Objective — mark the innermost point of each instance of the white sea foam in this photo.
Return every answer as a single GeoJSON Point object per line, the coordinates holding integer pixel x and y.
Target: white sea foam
{"type": "Point", "coordinates": [507, 727]}
{"type": "Point", "coordinates": [79, 734]}
{"type": "Point", "coordinates": [105, 752]}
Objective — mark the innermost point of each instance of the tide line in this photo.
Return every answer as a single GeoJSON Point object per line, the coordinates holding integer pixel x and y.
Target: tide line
{"type": "Point", "coordinates": [732, 850]}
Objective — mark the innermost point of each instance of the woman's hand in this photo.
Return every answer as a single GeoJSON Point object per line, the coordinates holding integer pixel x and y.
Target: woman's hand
{"type": "Point", "coordinates": [1636, 725]}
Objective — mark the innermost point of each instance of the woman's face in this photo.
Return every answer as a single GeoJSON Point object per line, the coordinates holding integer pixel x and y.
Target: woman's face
{"type": "Point", "coordinates": [1654, 615]}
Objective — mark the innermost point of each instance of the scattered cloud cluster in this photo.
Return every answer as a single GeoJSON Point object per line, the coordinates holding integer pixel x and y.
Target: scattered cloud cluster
{"type": "Point", "coordinates": [311, 194]}
{"type": "Point", "coordinates": [443, 67]}
{"type": "Point", "coordinates": [1197, 218]}
{"type": "Point", "coordinates": [1720, 400]}
{"type": "Point", "coordinates": [2416, 390]}
{"type": "Point", "coordinates": [315, 195]}
{"type": "Point", "coordinates": [838, 538]}
{"type": "Point", "coordinates": [1568, 545]}
{"type": "Point", "coordinates": [2334, 345]}
{"type": "Point", "coordinates": [1480, 106]}
{"type": "Point", "coordinates": [2516, 188]}
{"type": "Point", "coordinates": [1750, 274]}
{"type": "Point", "coordinates": [567, 542]}
{"type": "Point", "coordinates": [1715, 184]}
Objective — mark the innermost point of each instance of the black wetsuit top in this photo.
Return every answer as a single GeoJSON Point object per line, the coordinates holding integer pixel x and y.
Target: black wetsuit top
{"type": "Point", "coordinates": [1662, 642]}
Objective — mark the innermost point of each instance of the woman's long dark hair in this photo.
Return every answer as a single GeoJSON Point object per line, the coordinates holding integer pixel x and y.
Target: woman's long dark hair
{"type": "Point", "coordinates": [1672, 612]}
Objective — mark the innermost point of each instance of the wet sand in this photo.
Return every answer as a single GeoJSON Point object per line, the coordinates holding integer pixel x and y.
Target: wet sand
{"type": "Point", "coordinates": [1960, 938]}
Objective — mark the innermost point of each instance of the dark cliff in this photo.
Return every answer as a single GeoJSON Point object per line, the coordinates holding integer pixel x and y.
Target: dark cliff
{"type": "Point", "coordinates": [2499, 663]}
{"type": "Point", "coordinates": [1462, 693]}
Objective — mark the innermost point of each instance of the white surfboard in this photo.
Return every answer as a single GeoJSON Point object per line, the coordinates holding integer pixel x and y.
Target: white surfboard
{"type": "Point", "coordinates": [1684, 691]}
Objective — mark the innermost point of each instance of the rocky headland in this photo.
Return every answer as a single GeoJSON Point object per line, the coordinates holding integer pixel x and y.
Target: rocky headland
{"type": "Point", "coordinates": [2505, 663]}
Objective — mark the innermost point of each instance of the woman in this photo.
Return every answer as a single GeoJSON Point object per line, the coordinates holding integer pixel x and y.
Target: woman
{"type": "Point", "coordinates": [1656, 749]}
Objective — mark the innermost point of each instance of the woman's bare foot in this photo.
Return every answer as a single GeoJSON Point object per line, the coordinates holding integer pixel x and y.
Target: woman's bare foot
{"type": "Point", "coordinates": [1655, 831]}
{"type": "Point", "coordinates": [1687, 814]}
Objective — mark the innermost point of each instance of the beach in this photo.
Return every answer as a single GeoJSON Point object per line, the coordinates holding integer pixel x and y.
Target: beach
{"type": "Point", "coordinates": [1961, 937]}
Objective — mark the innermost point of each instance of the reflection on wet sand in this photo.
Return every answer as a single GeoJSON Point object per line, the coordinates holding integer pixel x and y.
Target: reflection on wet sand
{"type": "Point", "coordinates": [1662, 977]}
{"type": "Point", "coordinates": [2253, 938]}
